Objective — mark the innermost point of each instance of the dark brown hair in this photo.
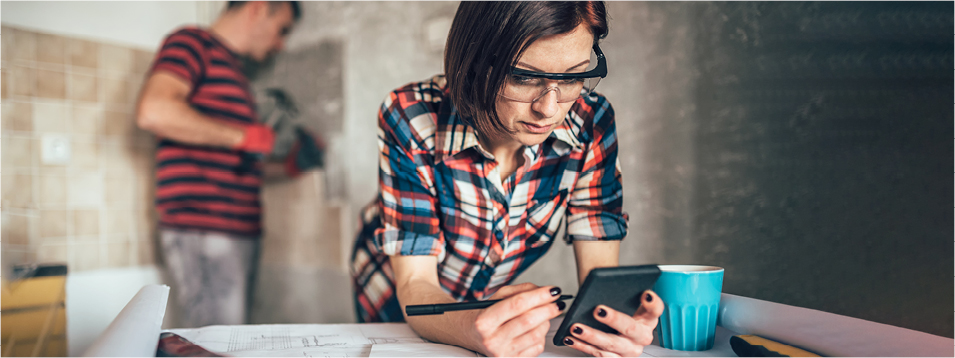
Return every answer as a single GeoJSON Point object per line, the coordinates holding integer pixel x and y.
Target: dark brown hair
{"type": "Point", "coordinates": [487, 38]}
{"type": "Point", "coordinates": [296, 7]}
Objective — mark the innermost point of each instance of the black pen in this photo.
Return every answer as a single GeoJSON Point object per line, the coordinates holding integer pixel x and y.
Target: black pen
{"type": "Point", "coordinates": [440, 308]}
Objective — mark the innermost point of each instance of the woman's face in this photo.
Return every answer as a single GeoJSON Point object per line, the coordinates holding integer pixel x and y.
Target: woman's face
{"type": "Point", "coordinates": [533, 122]}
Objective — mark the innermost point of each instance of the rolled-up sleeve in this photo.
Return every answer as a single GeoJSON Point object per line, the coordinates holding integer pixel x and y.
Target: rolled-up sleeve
{"type": "Point", "coordinates": [407, 203]}
{"type": "Point", "coordinates": [595, 208]}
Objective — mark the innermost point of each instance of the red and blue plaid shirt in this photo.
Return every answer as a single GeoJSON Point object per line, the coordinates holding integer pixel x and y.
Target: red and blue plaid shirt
{"type": "Point", "coordinates": [441, 194]}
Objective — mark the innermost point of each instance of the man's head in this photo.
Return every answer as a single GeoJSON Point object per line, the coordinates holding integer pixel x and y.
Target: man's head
{"type": "Point", "coordinates": [268, 23]}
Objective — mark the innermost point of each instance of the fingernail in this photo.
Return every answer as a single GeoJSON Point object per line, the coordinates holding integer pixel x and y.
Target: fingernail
{"type": "Point", "coordinates": [561, 305]}
{"type": "Point", "coordinates": [602, 312]}
{"type": "Point", "coordinates": [578, 330]}
{"type": "Point", "coordinates": [555, 291]}
{"type": "Point", "coordinates": [649, 298]}
{"type": "Point", "coordinates": [568, 341]}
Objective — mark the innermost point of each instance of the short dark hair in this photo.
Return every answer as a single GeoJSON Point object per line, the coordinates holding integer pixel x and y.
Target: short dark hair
{"type": "Point", "coordinates": [296, 7]}
{"type": "Point", "coordinates": [487, 38]}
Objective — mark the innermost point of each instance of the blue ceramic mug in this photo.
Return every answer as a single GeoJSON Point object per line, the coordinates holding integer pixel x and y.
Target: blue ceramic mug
{"type": "Point", "coordinates": [691, 298]}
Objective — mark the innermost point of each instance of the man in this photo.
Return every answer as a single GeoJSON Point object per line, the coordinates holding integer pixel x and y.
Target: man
{"type": "Point", "coordinates": [210, 156]}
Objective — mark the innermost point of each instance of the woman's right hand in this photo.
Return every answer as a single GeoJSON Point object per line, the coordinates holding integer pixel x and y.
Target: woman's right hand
{"type": "Point", "coordinates": [517, 326]}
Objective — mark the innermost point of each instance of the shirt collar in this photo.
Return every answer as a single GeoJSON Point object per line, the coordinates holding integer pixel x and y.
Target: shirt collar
{"type": "Point", "coordinates": [454, 136]}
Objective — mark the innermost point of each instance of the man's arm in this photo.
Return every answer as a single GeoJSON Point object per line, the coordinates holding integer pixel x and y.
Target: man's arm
{"type": "Point", "coordinates": [163, 110]}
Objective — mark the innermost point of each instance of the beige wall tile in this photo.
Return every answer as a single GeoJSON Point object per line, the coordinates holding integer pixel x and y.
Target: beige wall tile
{"type": "Point", "coordinates": [118, 123]}
{"type": "Point", "coordinates": [119, 192]}
{"type": "Point", "coordinates": [7, 40]}
{"type": "Point", "coordinates": [16, 229]}
{"type": "Point", "coordinates": [49, 253]}
{"type": "Point", "coordinates": [85, 156]}
{"type": "Point", "coordinates": [4, 89]}
{"type": "Point", "coordinates": [17, 116]}
{"type": "Point", "coordinates": [146, 219]}
{"type": "Point", "coordinates": [51, 117]}
{"type": "Point", "coordinates": [88, 119]}
{"type": "Point", "coordinates": [17, 152]}
{"type": "Point", "coordinates": [135, 89]}
{"type": "Point", "coordinates": [142, 60]}
{"type": "Point", "coordinates": [145, 251]}
{"type": "Point", "coordinates": [24, 45]}
{"type": "Point", "coordinates": [50, 49]}
{"type": "Point", "coordinates": [86, 256]}
{"type": "Point", "coordinates": [118, 158]}
{"type": "Point", "coordinates": [59, 171]}
{"type": "Point", "coordinates": [84, 87]}
{"type": "Point", "coordinates": [53, 223]}
{"type": "Point", "coordinates": [52, 191]}
{"type": "Point", "coordinates": [118, 254]}
{"type": "Point", "coordinates": [85, 189]}
{"type": "Point", "coordinates": [18, 254]}
{"type": "Point", "coordinates": [22, 81]}
{"type": "Point", "coordinates": [85, 239]}
{"type": "Point", "coordinates": [50, 84]}
{"type": "Point", "coordinates": [118, 222]}
{"type": "Point", "coordinates": [83, 53]}
{"type": "Point", "coordinates": [85, 222]}
{"type": "Point", "coordinates": [276, 251]}
{"type": "Point", "coordinates": [114, 90]}
{"type": "Point", "coordinates": [144, 187]}
{"type": "Point", "coordinates": [17, 190]}
{"type": "Point", "coordinates": [115, 59]}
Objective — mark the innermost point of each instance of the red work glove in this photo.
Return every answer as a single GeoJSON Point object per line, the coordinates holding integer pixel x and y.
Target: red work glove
{"type": "Point", "coordinates": [258, 138]}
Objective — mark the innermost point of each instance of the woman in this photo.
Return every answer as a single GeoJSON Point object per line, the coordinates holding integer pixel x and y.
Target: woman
{"type": "Point", "coordinates": [478, 169]}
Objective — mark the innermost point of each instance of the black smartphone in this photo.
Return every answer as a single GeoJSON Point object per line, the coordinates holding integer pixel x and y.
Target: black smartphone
{"type": "Point", "coordinates": [619, 288]}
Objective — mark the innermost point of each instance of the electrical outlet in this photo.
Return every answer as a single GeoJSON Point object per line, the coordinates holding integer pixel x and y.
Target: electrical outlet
{"type": "Point", "coordinates": [55, 149]}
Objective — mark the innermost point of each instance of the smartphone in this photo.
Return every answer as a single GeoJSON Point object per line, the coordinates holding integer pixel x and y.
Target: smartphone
{"type": "Point", "coordinates": [619, 288]}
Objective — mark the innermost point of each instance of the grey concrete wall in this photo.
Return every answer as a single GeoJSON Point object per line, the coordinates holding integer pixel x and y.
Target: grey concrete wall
{"type": "Point", "coordinates": [710, 176]}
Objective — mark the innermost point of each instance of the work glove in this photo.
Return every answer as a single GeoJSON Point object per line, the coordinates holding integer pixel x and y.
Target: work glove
{"type": "Point", "coordinates": [307, 153]}
{"type": "Point", "coordinates": [275, 135]}
{"type": "Point", "coordinates": [279, 112]}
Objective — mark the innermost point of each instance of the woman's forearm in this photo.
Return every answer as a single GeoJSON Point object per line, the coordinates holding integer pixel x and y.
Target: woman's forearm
{"type": "Point", "coordinates": [448, 328]}
{"type": "Point", "coordinates": [416, 282]}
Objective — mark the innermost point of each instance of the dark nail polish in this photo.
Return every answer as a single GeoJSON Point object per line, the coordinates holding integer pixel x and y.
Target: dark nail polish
{"type": "Point", "coordinates": [578, 330]}
{"type": "Point", "coordinates": [568, 341]}
{"type": "Point", "coordinates": [649, 298]}
{"type": "Point", "coordinates": [561, 305]}
{"type": "Point", "coordinates": [602, 312]}
{"type": "Point", "coordinates": [555, 291]}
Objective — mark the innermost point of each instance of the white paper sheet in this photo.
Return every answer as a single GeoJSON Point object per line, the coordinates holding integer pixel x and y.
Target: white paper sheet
{"type": "Point", "coordinates": [825, 333]}
{"type": "Point", "coordinates": [135, 331]}
{"type": "Point", "coordinates": [419, 350]}
{"type": "Point", "coordinates": [309, 340]}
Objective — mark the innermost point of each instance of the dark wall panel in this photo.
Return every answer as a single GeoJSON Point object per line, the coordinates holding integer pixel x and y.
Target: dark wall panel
{"type": "Point", "coordinates": [823, 150]}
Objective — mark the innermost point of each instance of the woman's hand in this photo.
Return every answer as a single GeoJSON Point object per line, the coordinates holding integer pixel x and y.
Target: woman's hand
{"type": "Point", "coordinates": [517, 325]}
{"type": "Point", "coordinates": [635, 332]}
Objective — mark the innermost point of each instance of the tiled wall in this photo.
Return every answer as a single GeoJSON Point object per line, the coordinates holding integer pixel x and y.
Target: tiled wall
{"type": "Point", "coordinates": [95, 211]}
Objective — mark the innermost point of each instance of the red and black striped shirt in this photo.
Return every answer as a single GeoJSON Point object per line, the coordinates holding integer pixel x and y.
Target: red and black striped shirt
{"type": "Point", "coordinates": [199, 187]}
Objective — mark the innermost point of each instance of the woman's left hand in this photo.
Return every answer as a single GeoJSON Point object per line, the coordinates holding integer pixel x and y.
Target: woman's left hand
{"type": "Point", "coordinates": [634, 332]}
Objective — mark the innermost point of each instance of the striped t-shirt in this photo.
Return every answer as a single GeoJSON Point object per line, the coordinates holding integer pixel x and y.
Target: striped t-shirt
{"type": "Point", "coordinates": [199, 187]}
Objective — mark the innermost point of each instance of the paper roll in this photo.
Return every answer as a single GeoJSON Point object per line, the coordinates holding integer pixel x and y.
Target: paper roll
{"type": "Point", "coordinates": [135, 331]}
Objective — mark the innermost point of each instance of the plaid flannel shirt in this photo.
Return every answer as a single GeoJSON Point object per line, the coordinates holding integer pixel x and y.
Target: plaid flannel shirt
{"type": "Point", "coordinates": [441, 194]}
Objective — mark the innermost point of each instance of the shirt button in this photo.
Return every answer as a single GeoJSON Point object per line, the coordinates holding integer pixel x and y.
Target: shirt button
{"type": "Point", "coordinates": [498, 234]}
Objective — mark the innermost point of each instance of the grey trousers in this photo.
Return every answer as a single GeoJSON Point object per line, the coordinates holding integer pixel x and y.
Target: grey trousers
{"type": "Point", "coordinates": [212, 275]}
